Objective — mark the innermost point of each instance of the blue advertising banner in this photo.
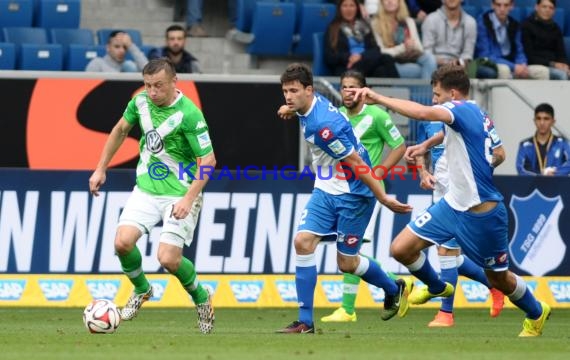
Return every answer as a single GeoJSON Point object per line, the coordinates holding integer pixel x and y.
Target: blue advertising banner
{"type": "Point", "coordinates": [49, 223]}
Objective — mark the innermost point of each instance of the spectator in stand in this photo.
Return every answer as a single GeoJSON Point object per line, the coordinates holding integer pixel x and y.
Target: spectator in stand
{"type": "Point", "coordinates": [544, 153]}
{"type": "Point", "coordinates": [499, 40]}
{"type": "Point", "coordinates": [118, 44]}
{"type": "Point", "coordinates": [543, 42]}
{"type": "Point", "coordinates": [419, 9]}
{"type": "Point", "coordinates": [183, 61]}
{"type": "Point", "coordinates": [450, 34]}
{"type": "Point", "coordinates": [350, 44]}
{"type": "Point", "coordinates": [397, 36]}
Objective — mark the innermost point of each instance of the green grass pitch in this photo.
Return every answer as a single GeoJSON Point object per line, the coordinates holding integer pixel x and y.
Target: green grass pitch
{"type": "Point", "coordinates": [165, 334]}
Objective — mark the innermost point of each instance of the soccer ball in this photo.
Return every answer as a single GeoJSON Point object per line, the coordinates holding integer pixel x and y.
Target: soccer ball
{"type": "Point", "coordinates": [101, 317]}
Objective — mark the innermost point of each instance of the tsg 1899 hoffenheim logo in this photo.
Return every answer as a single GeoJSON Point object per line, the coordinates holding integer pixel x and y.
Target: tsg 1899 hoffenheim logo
{"type": "Point", "coordinates": [536, 246]}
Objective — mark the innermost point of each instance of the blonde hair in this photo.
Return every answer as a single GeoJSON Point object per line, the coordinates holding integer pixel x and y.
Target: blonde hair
{"type": "Point", "coordinates": [383, 25]}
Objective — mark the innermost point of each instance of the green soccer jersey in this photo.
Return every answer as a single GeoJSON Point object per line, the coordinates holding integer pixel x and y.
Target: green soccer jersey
{"type": "Point", "coordinates": [172, 138]}
{"type": "Point", "coordinates": [374, 127]}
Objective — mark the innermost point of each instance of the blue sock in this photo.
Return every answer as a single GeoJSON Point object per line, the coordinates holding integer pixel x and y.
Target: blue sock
{"type": "Point", "coordinates": [305, 281]}
{"type": "Point", "coordinates": [448, 266]}
{"type": "Point", "coordinates": [468, 268]}
{"type": "Point", "coordinates": [523, 298]}
{"type": "Point", "coordinates": [373, 274]}
{"type": "Point", "coordinates": [422, 269]}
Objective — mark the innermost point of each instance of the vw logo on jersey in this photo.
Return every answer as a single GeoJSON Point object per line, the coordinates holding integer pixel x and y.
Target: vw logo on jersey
{"type": "Point", "coordinates": [154, 142]}
{"type": "Point", "coordinates": [536, 246]}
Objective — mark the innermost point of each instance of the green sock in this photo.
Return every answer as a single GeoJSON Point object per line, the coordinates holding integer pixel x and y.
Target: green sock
{"type": "Point", "coordinates": [349, 291]}
{"type": "Point", "coordinates": [131, 264]}
{"type": "Point", "coordinates": [186, 274]}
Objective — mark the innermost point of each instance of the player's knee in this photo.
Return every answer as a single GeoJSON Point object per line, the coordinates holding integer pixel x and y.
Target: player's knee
{"type": "Point", "coordinates": [304, 244]}
{"type": "Point", "coordinates": [169, 262]}
{"type": "Point", "coordinates": [123, 244]}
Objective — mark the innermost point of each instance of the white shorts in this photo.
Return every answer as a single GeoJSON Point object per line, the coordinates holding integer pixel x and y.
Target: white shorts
{"type": "Point", "coordinates": [144, 211]}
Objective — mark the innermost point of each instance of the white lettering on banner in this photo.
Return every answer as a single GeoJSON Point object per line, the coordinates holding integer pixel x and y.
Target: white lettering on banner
{"type": "Point", "coordinates": [74, 228]}
{"type": "Point", "coordinates": [19, 232]}
{"type": "Point", "coordinates": [243, 203]}
{"type": "Point", "coordinates": [210, 231]}
{"type": "Point", "coordinates": [272, 231]}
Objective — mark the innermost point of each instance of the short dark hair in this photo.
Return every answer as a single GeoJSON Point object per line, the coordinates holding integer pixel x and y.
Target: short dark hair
{"type": "Point", "coordinates": [552, 1]}
{"type": "Point", "coordinates": [155, 65]}
{"type": "Point", "coordinates": [544, 107]}
{"type": "Point", "coordinates": [452, 76]}
{"type": "Point", "coordinates": [355, 74]}
{"type": "Point", "coordinates": [174, 27]}
{"type": "Point", "coordinates": [113, 34]}
{"type": "Point", "coordinates": [298, 71]}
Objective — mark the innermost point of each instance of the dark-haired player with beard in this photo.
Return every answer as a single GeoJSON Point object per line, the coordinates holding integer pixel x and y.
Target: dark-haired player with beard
{"type": "Point", "coordinates": [183, 61]}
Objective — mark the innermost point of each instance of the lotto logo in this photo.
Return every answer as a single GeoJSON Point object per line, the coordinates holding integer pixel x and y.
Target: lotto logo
{"type": "Point", "coordinates": [287, 290]}
{"type": "Point", "coordinates": [56, 290]}
{"type": "Point", "coordinates": [246, 291]}
{"type": "Point", "coordinates": [158, 288]}
{"type": "Point", "coordinates": [377, 293]}
{"type": "Point", "coordinates": [560, 290]}
{"type": "Point", "coordinates": [474, 291]}
{"type": "Point", "coordinates": [333, 290]}
{"type": "Point", "coordinates": [12, 289]}
{"type": "Point", "coordinates": [103, 289]}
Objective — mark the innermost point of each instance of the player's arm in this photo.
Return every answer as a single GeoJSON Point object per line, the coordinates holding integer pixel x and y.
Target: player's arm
{"type": "Point", "coordinates": [407, 108]}
{"type": "Point", "coordinates": [499, 156]}
{"type": "Point", "coordinates": [205, 165]}
{"type": "Point", "coordinates": [391, 159]}
{"type": "Point", "coordinates": [413, 152]}
{"type": "Point", "coordinates": [114, 141]}
{"type": "Point", "coordinates": [354, 160]}
{"type": "Point", "coordinates": [427, 180]}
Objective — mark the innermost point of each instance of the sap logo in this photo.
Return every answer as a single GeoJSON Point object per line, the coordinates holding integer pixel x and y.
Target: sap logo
{"type": "Point", "coordinates": [333, 290]}
{"type": "Point", "coordinates": [246, 291]}
{"type": "Point", "coordinates": [12, 289]}
{"type": "Point", "coordinates": [158, 288]}
{"type": "Point", "coordinates": [287, 290]}
{"type": "Point", "coordinates": [377, 293]}
{"type": "Point", "coordinates": [103, 289]}
{"type": "Point", "coordinates": [474, 291]}
{"type": "Point", "coordinates": [560, 290]}
{"type": "Point", "coordinates": [56, 290]}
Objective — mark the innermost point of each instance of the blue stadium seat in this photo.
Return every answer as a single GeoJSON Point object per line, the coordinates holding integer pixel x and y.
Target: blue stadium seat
{"type": "Point", "coordinates": [144, 48]}
{"type": "Point", "coordinates": [16, 13]}
{"type": "Point", "coordinates": [20, 35]}
{"type": "Point", "coordinates": [45, 57]}
{"type": "Point", "coordinates": [78, 56]}
{"type": "Point", "coordinates": [71, 36]}
{"type": "Point", "coordinates": [313, 18]}
{"type": "Point", "coordinates": [244, 16]}
{"type": "Point", "coordinates": [58, 13]}
{"type": "Point", "coordinates": [272, 26]}
{"type": "Point", "coordinates": [7, 56]}
{"type": "Point", "coordinates": [103, 35]}
{"type": "Point", "coordinates": [320, 68]}
{"type": "Point", "coordinates": [471, 10]}
{"type": "Point", "coordinates": [567, 46]}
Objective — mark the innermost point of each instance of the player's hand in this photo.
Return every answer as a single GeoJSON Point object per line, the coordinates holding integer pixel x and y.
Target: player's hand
{"type": "Point", "coordinates": [362, 93]}
{"type": "Point", "coordinates": [396, 206]}
{"type": "Point", "coordinates": [126, 40]}
{"type": "Point", "coordinates": [285, 112]}
{"type": "Point", "coordinates": [181, 209]}
{"type": "Point", "coordinates": [427, 180]}
{"type": "Point", "coordinates": [413, 151]}
{"type": "Point", "coordinates": [96, 180]}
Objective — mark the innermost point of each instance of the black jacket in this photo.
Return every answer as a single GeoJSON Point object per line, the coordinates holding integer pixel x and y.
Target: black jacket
{"type": "Point", "coordinates": [542, 41]}
{"type": "Point", "coordinates": [185, 64]}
